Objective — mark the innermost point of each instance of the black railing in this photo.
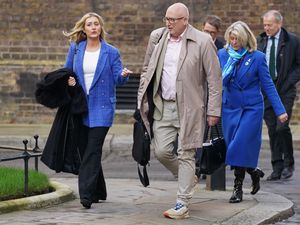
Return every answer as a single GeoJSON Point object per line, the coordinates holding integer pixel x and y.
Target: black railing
{"type": "Point", "coordinates": [36, 152]}
{"type": "Point", "coordinates": [127, 93]}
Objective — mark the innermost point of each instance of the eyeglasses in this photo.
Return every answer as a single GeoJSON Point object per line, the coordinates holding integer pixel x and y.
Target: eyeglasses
{"type": "Point", "coordinates": [172, 20]}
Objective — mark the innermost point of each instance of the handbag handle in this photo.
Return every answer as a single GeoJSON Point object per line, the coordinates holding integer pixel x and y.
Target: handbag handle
{"type": "Point", "coordinates": [217, 130]}
{"type": "Point", "coordinates": [209, 129]}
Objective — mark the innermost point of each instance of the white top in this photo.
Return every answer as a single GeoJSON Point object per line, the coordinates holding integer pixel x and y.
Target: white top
{"type": "Point", "coordinates": [90, 62]}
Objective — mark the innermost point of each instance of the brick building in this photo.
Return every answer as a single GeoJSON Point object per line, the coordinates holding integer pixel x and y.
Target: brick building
{"type": "Point", "coordinates": [32, 43]}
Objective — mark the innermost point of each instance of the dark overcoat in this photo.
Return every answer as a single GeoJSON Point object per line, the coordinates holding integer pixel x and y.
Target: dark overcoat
{"type": "Point", "coordinates": [62, 151]}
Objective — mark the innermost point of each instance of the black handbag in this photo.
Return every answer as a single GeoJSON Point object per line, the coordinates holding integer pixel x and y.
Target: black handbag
{"type": "Point", "coordinates": [212, 154]}
{"type": "Point", "coordinates": [141, 149]}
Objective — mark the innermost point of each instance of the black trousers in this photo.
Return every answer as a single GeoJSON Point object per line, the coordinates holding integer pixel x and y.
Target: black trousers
{"type": "Point", "coordinates": [280, 136]}
{"type": "Point", "coordinates": [91, 179]}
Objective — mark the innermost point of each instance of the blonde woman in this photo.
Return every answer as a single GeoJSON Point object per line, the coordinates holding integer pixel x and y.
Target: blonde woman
{"type": "Point", "coordinates": [245, 75]}
{"type": "Point", "coordinates": [98, 68]}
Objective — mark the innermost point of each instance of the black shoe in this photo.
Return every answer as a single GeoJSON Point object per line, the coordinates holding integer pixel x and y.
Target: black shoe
{"type": "Point", "coordinates": [255, 176]}
{"type": "Point", "coordinates": [86, 203]}
{"type": "Point", "coordinates": [287, 172]}
{"type": "Point", "coordinates": [237, 196]}
{"type": "Point", "coordinates": [274, 176]}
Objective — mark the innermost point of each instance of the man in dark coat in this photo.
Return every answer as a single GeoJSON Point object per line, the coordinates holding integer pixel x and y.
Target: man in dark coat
{"type": "Point", "coordinates": [212, 25]}
{"type": "Point", "coordinates": [282, 50]}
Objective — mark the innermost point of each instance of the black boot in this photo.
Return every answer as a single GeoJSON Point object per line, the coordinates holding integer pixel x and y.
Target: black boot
{"type": "Point", "coordinates": [237, 194]}
{"type": "Point", "coordinates": [255, 174]}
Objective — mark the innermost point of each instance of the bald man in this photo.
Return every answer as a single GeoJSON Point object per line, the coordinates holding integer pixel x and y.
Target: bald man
{"type": "Point", "coordinates": [180, 72]}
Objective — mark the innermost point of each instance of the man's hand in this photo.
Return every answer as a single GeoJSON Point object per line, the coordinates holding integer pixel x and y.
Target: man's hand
{"type": "Point", "coordinates": [212, 120]}
{"type": "Point", "coordinates": [283, 117]}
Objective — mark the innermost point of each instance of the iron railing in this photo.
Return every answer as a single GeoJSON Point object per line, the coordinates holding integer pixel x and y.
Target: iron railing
{"type": "Point", "coordinates": [127, 93]}
{"type": "Point", "coordinates": [26, 155]}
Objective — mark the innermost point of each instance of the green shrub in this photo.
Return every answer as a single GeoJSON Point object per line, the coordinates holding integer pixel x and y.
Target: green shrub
{"type": "Point", "coordinates": [12, 183]}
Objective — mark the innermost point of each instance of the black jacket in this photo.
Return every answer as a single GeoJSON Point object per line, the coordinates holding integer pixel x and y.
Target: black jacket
{"type": "Point", "coordinates": [219, 43]}
{"type": "Point", "coordinates": [62, 149]}
{"type": "Point", "coordinates": [287, 63]}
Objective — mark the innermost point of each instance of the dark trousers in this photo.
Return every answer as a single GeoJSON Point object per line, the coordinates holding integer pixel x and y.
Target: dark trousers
{"type": "Point", "coordinates": [280, 137]}
{"type": "Point", "coordinates": [91, 180]}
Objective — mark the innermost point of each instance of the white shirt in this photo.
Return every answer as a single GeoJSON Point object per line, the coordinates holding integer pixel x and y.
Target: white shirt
{"type": "Point", "coordinates": [169, 73]}
{"type": "Point", "coordinates": [90, 61]}
{"type": "Point", "coordinates": [268, 50]}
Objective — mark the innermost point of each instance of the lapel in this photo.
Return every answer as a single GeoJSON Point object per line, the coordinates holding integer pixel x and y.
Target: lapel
{"type": "Point", "coordinates": [182, 54]}
{"type": "Point", "coordinates": [157, 100]}
{"type": "Point", "coordinates": [245, 65]}
{"type": "Point", "coordinates": [101, 62]}
{"type": "Point", "coordinates": [281, 43]}
{"type": "Point", "coordinates": [158, 49]}
{"type": "Point", "coordinates": [183, 50]}
{"type": "Point", "coordinates": [79, 63]}
{"type": "Point", "coordinates": [159, 65]}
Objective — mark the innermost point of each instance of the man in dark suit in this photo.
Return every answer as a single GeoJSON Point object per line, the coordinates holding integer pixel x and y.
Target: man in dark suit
{"type": "Point", "coordinates": [211, 25]}
{"type": "Point", "coordinates": [282, 50]}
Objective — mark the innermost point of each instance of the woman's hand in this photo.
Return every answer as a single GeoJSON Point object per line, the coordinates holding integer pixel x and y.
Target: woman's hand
{"type": "Point", "coordinates": [283, 117]}
{"type": "Point", "coordinates": [126, 72]}
{"type": "Point", "coordinates": [71, 81]}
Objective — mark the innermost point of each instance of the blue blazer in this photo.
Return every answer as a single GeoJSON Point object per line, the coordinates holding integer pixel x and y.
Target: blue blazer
{"type": "Point", "coordinates": [102, 94]}
{"type": "Point", "coordinates": [243, 108]}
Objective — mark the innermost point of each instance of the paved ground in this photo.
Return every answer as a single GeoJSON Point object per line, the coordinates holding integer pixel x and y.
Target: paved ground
{"type": "Point", "coordinates": [130, 203]}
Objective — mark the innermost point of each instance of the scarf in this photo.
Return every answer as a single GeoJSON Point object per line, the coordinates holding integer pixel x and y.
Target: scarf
{"type": "Point", "coordinates": [229, 68]}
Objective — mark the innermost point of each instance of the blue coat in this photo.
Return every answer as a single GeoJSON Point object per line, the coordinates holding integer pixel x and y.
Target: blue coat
{"type": "Point", "coordinates": [243, 107]}
{"type": "Point", "coordinates": [102, 94]}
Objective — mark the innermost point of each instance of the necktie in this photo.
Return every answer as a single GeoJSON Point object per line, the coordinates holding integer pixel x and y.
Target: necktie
{"type": "Point", "coordinates": [272, 59]}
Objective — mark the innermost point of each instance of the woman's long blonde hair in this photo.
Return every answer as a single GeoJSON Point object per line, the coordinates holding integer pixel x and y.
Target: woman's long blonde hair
{"type": "Point", "coordinates": [243, 33]}
{"type": "Point", "coordinates": [77, 32]}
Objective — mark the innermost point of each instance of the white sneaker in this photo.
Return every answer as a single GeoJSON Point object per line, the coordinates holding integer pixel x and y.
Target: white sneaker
{"type": "Point", "coordinates": [180, 211]}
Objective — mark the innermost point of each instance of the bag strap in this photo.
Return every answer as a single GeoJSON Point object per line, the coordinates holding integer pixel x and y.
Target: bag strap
{"type": "Point", "coordinates": [143, 177]}
{"type": "Point", "coordinates": [160, 36]}
{"type": "Point", "coordinates": [207, 129]}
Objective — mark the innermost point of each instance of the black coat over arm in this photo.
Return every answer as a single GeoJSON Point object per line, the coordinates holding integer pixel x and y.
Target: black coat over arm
{"type": "Point", "coordinates": [62, 151]}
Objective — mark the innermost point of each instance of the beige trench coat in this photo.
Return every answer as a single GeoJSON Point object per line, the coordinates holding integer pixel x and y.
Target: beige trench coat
{"type": "Point", "coordinates": [198, 68]}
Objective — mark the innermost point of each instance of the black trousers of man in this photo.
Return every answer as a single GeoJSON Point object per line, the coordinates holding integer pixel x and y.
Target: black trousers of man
{"type": "Point", "coordinates": [92, 185]}
{"type": "Point", "coordinates": [280, 136]}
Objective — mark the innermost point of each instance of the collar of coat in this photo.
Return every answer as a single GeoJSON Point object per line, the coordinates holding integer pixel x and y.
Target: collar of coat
{"type": "Point", "coordinates": [284, 34]}
{"type": "Point", "coordinates": [189, 33]}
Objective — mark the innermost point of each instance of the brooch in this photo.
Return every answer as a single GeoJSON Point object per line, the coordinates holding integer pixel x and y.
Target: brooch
{"type": "Point", "coordinates": [247, 63]}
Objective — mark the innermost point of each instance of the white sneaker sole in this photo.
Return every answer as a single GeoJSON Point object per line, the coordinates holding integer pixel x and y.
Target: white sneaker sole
{"type": "Point", "coordinates": [176, 217]}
